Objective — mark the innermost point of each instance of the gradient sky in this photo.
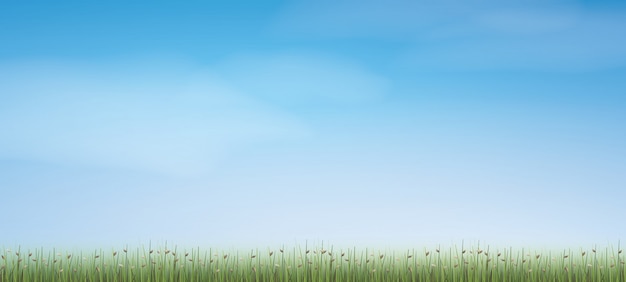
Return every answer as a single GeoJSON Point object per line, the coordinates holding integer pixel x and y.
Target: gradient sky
{"type": "Point", "coordinates": [249, 123]}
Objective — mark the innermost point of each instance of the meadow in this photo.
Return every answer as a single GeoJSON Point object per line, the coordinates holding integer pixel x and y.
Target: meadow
{"type": "Point", "coordinates": [304, 263]}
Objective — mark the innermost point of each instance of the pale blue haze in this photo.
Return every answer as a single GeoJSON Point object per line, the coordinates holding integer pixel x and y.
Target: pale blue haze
{"type": "Point", "coordinates": [252, 123]}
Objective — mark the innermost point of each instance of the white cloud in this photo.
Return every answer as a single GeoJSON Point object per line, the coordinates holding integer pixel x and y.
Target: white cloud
{"type": "Point", "coordinates": [400, 18]}
{"type": "Point", "coordinates": [580, 49]}
{"type": "Point", "coordinates": [474, 35]}
{"type": "Point", "coordinates": [591, 42]}
{"type": "Point", "coordinates": [351, 19]}
{"type": "Point", "coordinates": [528, 20]}
{"type": "Point", "coordinates": [162, 118]}
{"type": "Point", "coordinates": [167, 117]}
{"type": "Point", "coordinates": [304, 79]}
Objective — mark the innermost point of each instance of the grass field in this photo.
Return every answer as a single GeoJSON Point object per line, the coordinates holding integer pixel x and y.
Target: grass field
{"type": "Point", "coordinates": [312, 264]}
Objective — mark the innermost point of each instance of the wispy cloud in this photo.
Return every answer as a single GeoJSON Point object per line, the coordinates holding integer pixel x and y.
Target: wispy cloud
{"type": "Point", "coordinates": [164, 118]}
{"type": "Point", "coordinates": [475, 35]}
{"type": "Point", "coordinates": [304, 79]}
{"type": "Point", "coordinates": [590, 42]}
{"type": "Point", "coordinates": [167, 117]}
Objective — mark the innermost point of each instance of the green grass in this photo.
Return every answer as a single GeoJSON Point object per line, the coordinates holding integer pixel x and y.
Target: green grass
{"type": "Point", "coordinates": [312, 264]}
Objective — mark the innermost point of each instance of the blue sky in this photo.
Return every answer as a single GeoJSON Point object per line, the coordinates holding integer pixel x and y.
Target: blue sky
{"type": "Point", "coordinates": [234, 123]}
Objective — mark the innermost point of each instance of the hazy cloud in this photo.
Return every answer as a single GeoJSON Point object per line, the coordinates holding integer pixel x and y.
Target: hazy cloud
{"type": "Point", "coordinates": [166, 117]}
{"type": "Point", "coordinates": [298, 79]}
{"type": "Point", "coordinates": [474, 35]}
{"type": "Point", "coordinates": [163, 118]}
